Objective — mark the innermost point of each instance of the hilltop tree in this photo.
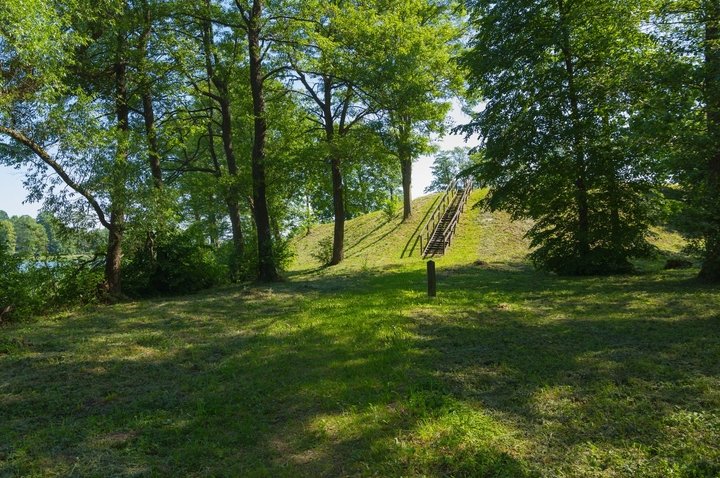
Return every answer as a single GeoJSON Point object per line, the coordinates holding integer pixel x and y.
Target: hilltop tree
{"type": "Point", "coordinates": [446, 166]}
{"type": "Point", "coordinates": [560, 144]}
{"type": "Point", "coordinates": [406, 51]}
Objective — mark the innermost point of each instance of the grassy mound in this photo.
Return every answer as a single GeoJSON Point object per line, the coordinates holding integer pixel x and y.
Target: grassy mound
{"type": "Point", "coordinates": [374, 241]}
{"type": "Point", "coordinates": [353, 371]}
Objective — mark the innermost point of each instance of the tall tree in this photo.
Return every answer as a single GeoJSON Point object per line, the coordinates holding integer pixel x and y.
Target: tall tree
{"type": "Point", "coordinates": [30, 237]}
{"type": "Point", "coordinates": [7, 236]}
{"type": "Point", "coordinates": [560, 148]}
{"type": "Point", "coordinates": [406, 49]}
{"type": "Point", "coordinates": [325, 71]}
{"type": "Point", "coordinates": [686, 117]}
{"type": "Point", "coordinates": [446, 167]}
{"type": "Point", "coordinates": [221, 65]}
{"type": "Point", "coordinates": [70, 109]}
{"type": "Point", "coordinates": [257, 28]}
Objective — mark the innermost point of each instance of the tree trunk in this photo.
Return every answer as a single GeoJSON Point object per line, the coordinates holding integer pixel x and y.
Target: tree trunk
{"type": "Point", "coordinates": [338, 253]}
{"type": "Point", "coordinates": [267, 270]}
{"type": "Point", "coordinates": [113, 257]}
{"type": "Point", "coordinates": [338, 193]}
{"type": "Point", "coordinates": [710, 270]}
{"type": "Point", "coordinates": [232, 194]}
{"type": "Point", "coordinates": [405, 156]}
{"type": "Point", "coordinates": [406, 171]}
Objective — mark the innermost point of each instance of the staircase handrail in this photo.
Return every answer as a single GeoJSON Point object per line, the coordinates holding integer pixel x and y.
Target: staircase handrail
{"type": "Point", "coordinates": [450, 231]}
{"type": "Point", "coordinates": [437, 215]}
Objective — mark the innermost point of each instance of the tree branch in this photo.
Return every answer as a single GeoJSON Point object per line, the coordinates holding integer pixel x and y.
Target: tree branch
{"type": "Point", "coordinates": [23, 139]}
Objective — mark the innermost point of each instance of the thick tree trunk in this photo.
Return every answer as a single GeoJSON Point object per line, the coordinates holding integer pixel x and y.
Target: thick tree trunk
{"type": "Point", "coordinates": [711, 262]}
{"type": "Point", "coordinates": [113, 256]}
{"type": "Point", "coordinates": [404, 152]}
{"type": "Point", "coordinates": [267, 270]}
{"type": "Point", "coordinates": [406, 171]}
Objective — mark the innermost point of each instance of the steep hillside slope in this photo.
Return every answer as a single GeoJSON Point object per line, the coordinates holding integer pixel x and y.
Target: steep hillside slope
{"type": "Point", "coordinates": [374, 242]}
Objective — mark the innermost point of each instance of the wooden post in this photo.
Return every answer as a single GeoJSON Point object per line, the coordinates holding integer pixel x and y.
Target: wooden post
{"type": "Point", "coordinates": [432, 280]}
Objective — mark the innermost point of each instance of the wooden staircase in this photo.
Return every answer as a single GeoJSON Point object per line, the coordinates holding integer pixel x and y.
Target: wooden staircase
{"type": "Point", "coordinates": [439, 231]}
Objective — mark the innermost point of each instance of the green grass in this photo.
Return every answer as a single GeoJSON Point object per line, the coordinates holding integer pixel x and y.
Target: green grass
{"type": "Point", "coordinates": [353, 371]}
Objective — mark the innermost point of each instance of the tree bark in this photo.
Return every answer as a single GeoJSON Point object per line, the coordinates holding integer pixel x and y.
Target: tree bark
{"type": "Point", "coordinates": [406, 171]}
{"type": "Point", "coordinates": [338, 253]}
{"type": "Point", "coordinates": [405, 156]}
{"type": "Point", "coordinates": [267, 270]}
{"type": "Point", "coordinates": [232, 195]}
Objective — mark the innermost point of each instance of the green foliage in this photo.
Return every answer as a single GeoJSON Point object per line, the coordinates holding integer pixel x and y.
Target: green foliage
{"type": "Point", "coordinates": [283, 253]}
{"type": "Point", "coordinates": [30, 287]}
{"type": "Point", "coordinates": [323, 250]}
{"type": "Point", "coordinates": [446, 167]}
{"type": "Point", "coordinates": [176, 263]}
{"type": "Point", "coordinates": [685, 79]}
{"type": "Point", "coordinates": [561, 145]}
{"type": "Point", "coordinates": [390, 208]}
{"type": "Point", "coordinates": [30, 237]}
{"type": "Point", "coordinates": [7, 236]}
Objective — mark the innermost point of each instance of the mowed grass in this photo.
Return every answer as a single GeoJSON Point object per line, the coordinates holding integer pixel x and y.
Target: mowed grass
{"type": "Point", "coordinates": [353, 371]}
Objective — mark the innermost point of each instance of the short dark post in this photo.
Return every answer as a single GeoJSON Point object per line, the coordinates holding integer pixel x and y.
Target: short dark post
{"type": "Point", "coordinates": [432, 282]}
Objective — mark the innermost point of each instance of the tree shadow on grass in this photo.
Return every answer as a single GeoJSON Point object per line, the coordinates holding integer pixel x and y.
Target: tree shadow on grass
{"type": "Point", "coordinates": [362, 375]}
{"type": "Point", "coordinates": [609, 364]}
{"type": "Point", "coordinates": [250, 384]}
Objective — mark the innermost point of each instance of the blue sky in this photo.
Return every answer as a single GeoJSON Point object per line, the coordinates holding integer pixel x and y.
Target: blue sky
{"type": "Point", "coordinates": [12, 193]}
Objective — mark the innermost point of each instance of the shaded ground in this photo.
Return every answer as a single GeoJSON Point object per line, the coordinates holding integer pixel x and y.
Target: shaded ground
{"type": "Point", "coordinates": [509, 373]}
{"type": "Point", "coordinates": [343, 372]}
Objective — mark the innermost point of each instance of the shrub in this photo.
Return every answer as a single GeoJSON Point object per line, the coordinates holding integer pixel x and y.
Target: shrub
{"type": "Point", "coordinates": [390, 208]}
{"type": "Point", "coordinates": [29, 287]}
{"type": "Point", "coordinates": [283, 253]}
{"type": "Point", "coordinates": [178, 264]}
{"type": "Point", "coordinates": [323, 251]}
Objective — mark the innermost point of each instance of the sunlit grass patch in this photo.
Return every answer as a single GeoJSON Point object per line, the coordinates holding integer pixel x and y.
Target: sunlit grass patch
{"type": "Point", "coordinates": [354, 371]}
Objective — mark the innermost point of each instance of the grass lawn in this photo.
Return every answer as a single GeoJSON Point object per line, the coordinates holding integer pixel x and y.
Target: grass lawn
{"type": "Point", "coordinates": [354, 371]}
